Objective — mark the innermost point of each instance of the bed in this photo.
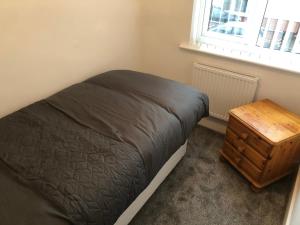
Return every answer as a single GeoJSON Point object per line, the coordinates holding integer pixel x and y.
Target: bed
{"type": "Point", "coordinates": [94, 152]}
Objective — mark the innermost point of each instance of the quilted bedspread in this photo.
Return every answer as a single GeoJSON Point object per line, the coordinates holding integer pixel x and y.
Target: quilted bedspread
{"type": "Point", "coordinates": [84, 154]}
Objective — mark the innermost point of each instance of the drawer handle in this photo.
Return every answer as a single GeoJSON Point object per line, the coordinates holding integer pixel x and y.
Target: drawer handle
{"type": "Point", "coordinates": [237, 145]}
{"type": "Point", "coordinates": [244, 136]}
{"type": "Point", "coordinates": [238, 161]}
{"type": "Point", "coordinates": [241, 149]}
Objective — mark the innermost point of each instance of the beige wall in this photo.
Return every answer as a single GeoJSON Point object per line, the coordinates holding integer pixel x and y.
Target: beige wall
{"type": "Point", "coordinates": [165, 24]}
{"type": "Point", "coordinates": [46, 45]}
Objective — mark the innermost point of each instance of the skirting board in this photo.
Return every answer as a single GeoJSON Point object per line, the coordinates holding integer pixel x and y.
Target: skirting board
{"type": "Point", "coordinates": [138, 203]}
{"type": "Point", "coordinates": [292, 216]}
{"type": "Point", "coordinates": [214, 124]}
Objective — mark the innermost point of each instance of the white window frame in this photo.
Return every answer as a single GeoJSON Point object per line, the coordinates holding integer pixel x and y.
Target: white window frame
{"type": "Point", "coordinates": [200, 23]}
{"type": "Point", "coordinates": [245, 50]}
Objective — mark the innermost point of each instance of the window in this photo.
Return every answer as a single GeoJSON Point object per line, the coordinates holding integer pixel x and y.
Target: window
{"type": "Point", "coordinates": [257, 28]}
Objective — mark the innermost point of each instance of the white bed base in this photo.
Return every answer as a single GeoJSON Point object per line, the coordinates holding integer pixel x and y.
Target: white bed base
{"type": "Point", "coordinates": [138, 203]}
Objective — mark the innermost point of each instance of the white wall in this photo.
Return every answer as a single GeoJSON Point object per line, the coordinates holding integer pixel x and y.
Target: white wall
{"type": "Point", "coordinates": [165, 24]}
{"type": "Point", "coordinates": [46, 45]}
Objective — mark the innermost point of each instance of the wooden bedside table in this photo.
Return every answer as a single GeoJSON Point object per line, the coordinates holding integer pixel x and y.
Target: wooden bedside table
{"type": "Point", "coordinates": [262, 142]}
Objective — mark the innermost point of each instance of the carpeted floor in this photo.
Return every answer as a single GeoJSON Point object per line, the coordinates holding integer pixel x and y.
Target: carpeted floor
{"type": "Point", "coordinates": [204, 191]}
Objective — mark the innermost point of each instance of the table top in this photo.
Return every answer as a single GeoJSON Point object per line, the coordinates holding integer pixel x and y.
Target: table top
{"type": "Point", "coordinates": [269, 119]}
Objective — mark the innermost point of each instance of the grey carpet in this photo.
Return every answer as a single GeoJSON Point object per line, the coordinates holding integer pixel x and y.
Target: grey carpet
{"type": "Point", "coordinates": [201, 190]}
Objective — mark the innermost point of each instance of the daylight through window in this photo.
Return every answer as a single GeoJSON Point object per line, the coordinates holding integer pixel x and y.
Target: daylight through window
{"type": "Point", "coordinates": [265, 24]}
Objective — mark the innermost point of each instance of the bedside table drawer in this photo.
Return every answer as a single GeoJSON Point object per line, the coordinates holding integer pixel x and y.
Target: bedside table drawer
{"type": "Point", "coordinates": [256, 158]}
{"type": "Point", "coordinates": [250, 137]}
{"type": "Point", "coordinates": [240, 162]}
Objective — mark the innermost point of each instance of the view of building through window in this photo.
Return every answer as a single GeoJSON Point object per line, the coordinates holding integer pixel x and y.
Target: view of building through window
{"type": "Point", "coordinates": [228, 17]}
{"type": "Point", "coordinates": [277, 30]}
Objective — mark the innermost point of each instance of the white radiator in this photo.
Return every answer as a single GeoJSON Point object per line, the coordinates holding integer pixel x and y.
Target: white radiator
{"type": "Point", "coordinates": [225, 89]}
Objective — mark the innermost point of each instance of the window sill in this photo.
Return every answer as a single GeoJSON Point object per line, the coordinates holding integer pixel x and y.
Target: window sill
{"type": "Point", "coordinates": [259, 59]}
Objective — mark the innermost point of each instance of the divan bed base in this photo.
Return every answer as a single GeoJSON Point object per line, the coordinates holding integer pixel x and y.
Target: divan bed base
{"type": "Point", "coordinates": [138, 203]}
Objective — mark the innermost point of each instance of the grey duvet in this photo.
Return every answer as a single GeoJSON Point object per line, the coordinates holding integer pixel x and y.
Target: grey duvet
{"type": "Point", "coordinates": [84, 154]}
